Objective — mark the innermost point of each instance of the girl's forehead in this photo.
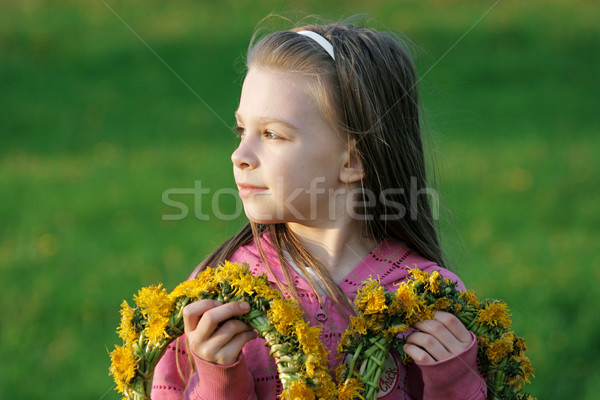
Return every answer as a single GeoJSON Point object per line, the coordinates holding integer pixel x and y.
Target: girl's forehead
{"type": "Point", "coordinates": [275, 92]}
{"type": "Point", "coordinates": [281, 78]}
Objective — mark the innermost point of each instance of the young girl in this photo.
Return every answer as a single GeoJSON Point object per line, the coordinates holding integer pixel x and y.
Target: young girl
{"type": "Point", "coordinates": [329, 158]}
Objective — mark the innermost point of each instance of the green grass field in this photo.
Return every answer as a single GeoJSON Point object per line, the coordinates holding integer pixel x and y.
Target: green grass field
{"type": "Point", "coordinates": [94, 127]}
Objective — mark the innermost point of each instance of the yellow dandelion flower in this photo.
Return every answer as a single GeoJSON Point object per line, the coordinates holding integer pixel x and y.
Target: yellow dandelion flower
{"type": "Point", "coordinates": [362, 296]}
{"type": "Point", "coordinates": [222, 275]}
{"type": "Point", "coordinates": [310, 366]}
{"type": "Point", "coordinates": [308, 337]}
{"type": "Point", "coordinates": [126, 330]}
{"type": "Point", "coordinates": [192, 289]}
{"type": "Point", "coordinates": [245, 284]}
{"type": "Point", "coordinates": [416, 308]}
{"type": "Point", "coordinates": [123, 364]}
{"type": "Point", "coordinates": [156, 305]}
{"type": "Point", "coordinates": [497, 350]}
{"type": "Point", "coordinates": [495, 313]}
{"type": "Point", "coordinates": [359, 325]}
{"type": "Point", "coordinates": [469, 297]}
{"type": "Point", "coordinates": [230, 271]}
{"type": "Point", "coordinates": [443, 303]}
{"type": "Point", "coordinates": [483, 341]}
{"type": "Point", "coordinates": [327, 389]}
{"type": "Point", "coordinates": [155, 331]}
{"type": "Point", "coordinates": [182, 290]}
{"type": "Point", "coordinates": [434, 282]}
{"type": "Point", "coordinates": [526, 369]}
{"type": "Point", "coordinates": [372, 301]}
{"type": "Point", "coordinates": [351, 389]}
{"type": "Point", "coordinates": [418, 276]}
{"type": "Point", "coordinates": [395, 307]}
{"type": "Point", "coordinates": [298, 390]}
{"type": "Point", "coordinates": [519, 345]}
{"type": "Point", "coordinates": [154, 300]}
{"type": "Point", "coordinates": [525, 372]}
{"type": "Point", "coordinates": [208, 278]}
{"type": "Point", "coordinates": [406, 299]}
{"type": "Point", "coordinates": [265, 291]}
{"type": "Point", "coordinates": [345, 340]}
{"type": "Point", "coordinates": [425, 312]}
{"type": "Point", "coordinates": [376, 323]}
{"type": "Point", "coordinates": [516, 382]}
{"type": "Point", "coordinates": [284, 314]}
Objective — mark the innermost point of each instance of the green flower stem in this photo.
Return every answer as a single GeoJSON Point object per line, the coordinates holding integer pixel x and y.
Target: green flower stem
{"type": "Point", "coordinates": [372, 362]}
{"type": "Point", "coordinates": [376, 344]}
{"type": "Point", "coordinates": [371, 377]}
{"type": "Point", "coordinates": [287, 379]}
{"type": "Point", "coordinates": [355, 357]}
{"type": "Point", "coordinates": [289, 363]}
{"type": "Point", "coordinates": [496, 374]}
{"type": "Point", "coordinates": [257, 320]}
{"type": "Point", "coordinates": [139, 389]}
{"type": "Point", "coordinates": [288, 369]}
{"type": "Point", "coordinates": [496, 380]}
{"type": "Point", "coordinates": [177, 316]}
{"type": "Point", "coordinates": [470, 321]}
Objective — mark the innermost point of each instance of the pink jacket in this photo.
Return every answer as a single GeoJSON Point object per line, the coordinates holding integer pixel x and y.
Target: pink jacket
{"type": "Point", "coordinates": [254, 375]}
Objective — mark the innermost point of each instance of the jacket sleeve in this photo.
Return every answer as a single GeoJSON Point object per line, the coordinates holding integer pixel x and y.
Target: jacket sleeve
{"type": "Point", "coordinates": [174, 378]}
{"type": "Point", "coordinates": [217, 382]}
{"type": "Point", "coordinates": [172, 372]}
{"type": "Point", "coordinates": [455, 378]}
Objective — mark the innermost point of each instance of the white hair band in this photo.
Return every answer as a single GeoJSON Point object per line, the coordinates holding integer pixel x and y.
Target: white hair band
{"type": "Point", "coordinates": [319, 39]}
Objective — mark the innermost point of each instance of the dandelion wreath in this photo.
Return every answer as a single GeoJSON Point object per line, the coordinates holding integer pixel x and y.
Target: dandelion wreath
{"type": "Point", "coordinates": [382, 316]}
{"type": "Point", "coordinates": [157, 320]}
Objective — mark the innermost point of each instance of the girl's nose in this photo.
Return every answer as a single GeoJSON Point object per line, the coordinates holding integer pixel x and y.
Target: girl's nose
{"type": "Point", "coordinates": [243, 157]}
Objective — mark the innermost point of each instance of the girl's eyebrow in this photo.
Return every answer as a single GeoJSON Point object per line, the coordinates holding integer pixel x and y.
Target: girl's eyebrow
{"type": "Point", "coordinates": [267, 120]}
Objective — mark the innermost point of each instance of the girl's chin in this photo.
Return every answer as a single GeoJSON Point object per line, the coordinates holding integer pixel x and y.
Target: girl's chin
{"type": "Point", "coordinates": [261, 218]}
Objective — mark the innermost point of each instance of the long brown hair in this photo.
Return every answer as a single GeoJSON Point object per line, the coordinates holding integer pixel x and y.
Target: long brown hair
{"type": "Point", "coordinates": [369, 94]}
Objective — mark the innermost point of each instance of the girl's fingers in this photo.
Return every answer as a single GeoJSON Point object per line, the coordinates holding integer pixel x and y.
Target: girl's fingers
{"type": "Point", "coordinates": [429, 344]}
{"type": "Point", "coordinates": [194, 311]}
{"type": "Point", "coordinates": [225, 333]}
{"type": "Point", "coordinates": [211, 332]}
{"type": "Point", "coordinates": [230, 353]}
{"type": "Point", "coordinates": [440, 333]}
{"type": "Point", "coordinates": [453, 324]}
{"type": "Point", "coordinates": [418, 354]}
{"type": "Point", "coordinates": [441, 337]}
{"type": "Point", "coordinates": [204, 318]}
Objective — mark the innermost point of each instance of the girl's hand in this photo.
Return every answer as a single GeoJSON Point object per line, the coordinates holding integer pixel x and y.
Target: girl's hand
{"type": "Point", "coordinates": [437, 339]}
{"type": "Point", "coordinates": [211, 332]}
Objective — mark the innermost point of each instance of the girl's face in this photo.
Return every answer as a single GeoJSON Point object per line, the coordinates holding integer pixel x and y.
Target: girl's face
{"type": "Point", "coordinates": [287, 165]}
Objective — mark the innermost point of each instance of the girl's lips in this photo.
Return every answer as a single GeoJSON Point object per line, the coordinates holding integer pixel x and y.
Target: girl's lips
{"type": "Point", "coordinates": [246, 190]}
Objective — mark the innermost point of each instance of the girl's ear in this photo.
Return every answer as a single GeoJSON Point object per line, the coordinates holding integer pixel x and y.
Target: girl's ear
{"type": "Point", "coordinates": [352, 168]}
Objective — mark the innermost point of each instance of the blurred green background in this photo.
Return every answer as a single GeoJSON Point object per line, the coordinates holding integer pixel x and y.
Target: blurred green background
{"type": "Point", "coordinates": [95, 126]}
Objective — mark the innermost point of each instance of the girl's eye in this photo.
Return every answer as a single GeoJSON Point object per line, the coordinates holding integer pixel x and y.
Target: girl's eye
{"type": "Point", "coordinates": [239, 130]}
{"type": "Point", "coordinates": [271, 135]}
